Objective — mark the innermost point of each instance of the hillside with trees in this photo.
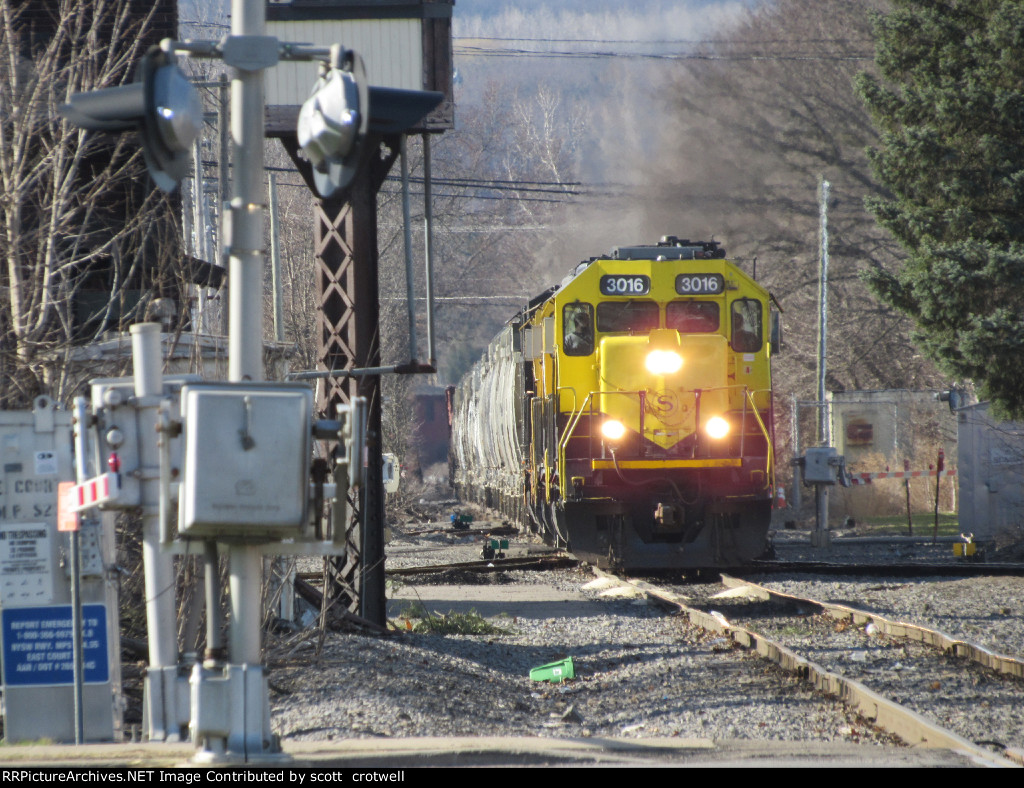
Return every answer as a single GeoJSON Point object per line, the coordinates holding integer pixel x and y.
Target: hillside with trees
{"type": "Point", "coordinates": [582, 126]}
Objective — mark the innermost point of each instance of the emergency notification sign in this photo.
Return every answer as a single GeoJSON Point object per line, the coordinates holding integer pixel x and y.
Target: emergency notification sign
{"type": "Point", "coordinates": [38, 645]}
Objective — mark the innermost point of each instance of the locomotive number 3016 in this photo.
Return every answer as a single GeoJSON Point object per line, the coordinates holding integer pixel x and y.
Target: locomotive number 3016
{"type": "Point", "coordinates": [699, 284]}
{"type": "Point", "coordinates": [636, 284]}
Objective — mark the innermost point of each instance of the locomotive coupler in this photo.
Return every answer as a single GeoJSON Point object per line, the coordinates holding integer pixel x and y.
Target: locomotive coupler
{"type": "Point", "coordinates": [668, 516]}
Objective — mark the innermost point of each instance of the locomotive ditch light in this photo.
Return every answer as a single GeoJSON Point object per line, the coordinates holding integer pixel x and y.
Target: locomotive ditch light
{"type": "Point", "coordinates": [613, 429]}
{"type": "Point", "coordinates": [333, 123]}
{"type": "Point", "coordinates": [162, 105]}
{"type": "Point", "coordinates": [716, 427]}
{"type": "Point", "coordinates": [663, 362]}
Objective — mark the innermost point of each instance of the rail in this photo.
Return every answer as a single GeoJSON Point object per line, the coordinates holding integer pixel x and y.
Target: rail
{"type": "Point", "coordinates": [913, 728]}
{"type": "Point", "coordinates": [1010, 666]}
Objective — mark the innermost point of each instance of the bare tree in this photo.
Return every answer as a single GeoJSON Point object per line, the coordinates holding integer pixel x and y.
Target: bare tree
{"type": "Point", "coordinates": [77, 212]}
{"type": "Point", "coordinates": [500, 180]}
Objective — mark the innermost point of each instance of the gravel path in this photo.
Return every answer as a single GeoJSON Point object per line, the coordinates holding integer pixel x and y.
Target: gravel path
{"type": "Point", "coordinates": [987, 611]}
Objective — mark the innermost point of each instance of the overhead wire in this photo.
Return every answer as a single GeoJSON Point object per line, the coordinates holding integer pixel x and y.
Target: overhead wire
{"type": "Point", "coordinates": [479, 52]}
{"type": "Point", "coordinates": [463, 45]}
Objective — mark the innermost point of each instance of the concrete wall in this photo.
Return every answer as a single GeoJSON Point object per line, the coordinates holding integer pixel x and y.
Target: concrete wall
{"type": "Point", "coordinates": [892, 425]}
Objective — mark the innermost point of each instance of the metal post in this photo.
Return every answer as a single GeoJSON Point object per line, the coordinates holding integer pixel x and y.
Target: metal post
{"type": "Point", "coordinates": [287, 602]}
{"type": "Point", "coordinates": [159, 566]}
{"type": "Point", "coordinates": [245, 272]}
{"type": "Point", "coordinates": [821, 493]}
{"type": "Point", "coordinates": [76, 577]}
{"type": "Point", "coordinates": [275, 261]}
{"type": "Point", "coordinates": [347, 257]}
{"type": "Point", "coordinates": [236, 692]}
{"type": "Point", "coordinates": [796, 493]}
{"type": "Point", "coordinates": [407, 235]}
{"type": "Point", "coordinates": [211, 587]}
{"type": "Point", "coordinates": [199, 249]}
{"type": "Point", "coordinates": [223, 187]}
{"type": "Point", "coordinates": [428, 245]}
{"type": "Point", "coordinates": [823, 429]}
{"type": "Point", "coordinates": [906, 487]}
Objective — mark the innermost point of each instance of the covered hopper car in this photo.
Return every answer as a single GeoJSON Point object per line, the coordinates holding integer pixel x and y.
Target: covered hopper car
{"type": "Point", "coordinates": [627, 413]}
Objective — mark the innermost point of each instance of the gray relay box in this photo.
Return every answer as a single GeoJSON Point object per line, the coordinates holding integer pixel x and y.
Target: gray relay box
{"type": "Point", "coordinates": [247, 456]}
{"type": "Point", "coordinates": [821, 465]}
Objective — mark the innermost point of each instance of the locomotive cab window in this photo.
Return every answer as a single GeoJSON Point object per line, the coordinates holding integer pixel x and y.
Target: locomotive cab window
{"type": "Point", "coordinates": [622, 317]}
{"type": "Point", "coordinates": [578, 329]}
{"type": "Point", "coordinates": [692, 317]}
{"type": "Point", "coordinates": [746, 336]}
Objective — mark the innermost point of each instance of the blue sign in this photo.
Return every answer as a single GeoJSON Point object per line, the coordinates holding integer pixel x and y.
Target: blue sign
{"type": "Point", "coordinates": [38, 645]}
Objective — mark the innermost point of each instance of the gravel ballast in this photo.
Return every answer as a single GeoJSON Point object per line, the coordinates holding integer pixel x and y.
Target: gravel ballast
{"type": "Point", "coordinates": [640, 672]}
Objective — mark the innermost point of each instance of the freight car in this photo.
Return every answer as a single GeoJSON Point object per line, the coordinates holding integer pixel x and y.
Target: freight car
{"type": "Point", "coordinates": [627, 413]}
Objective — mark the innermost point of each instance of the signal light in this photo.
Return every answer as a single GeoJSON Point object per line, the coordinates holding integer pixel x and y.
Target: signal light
{"type": "Point", "coordinates": [162, 105]}
{"type": "Point", "coordinates": [333, 123]}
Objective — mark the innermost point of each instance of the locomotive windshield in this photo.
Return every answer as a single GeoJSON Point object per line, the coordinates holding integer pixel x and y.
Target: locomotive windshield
{"type": "Point", "coordinates": [621, 317]}
{"type": "Point", "coordinates": [692, 317]}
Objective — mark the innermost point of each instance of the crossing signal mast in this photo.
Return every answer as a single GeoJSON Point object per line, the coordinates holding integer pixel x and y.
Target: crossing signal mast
{"type": "Point", "coordinates": [165, 110]}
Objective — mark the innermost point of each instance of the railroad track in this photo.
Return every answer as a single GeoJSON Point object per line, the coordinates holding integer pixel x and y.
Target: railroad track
{"type": "Point", "coordinates": [920, 569]}
{"type": "Point", "coordinates": [538, 562]}
{"type": "Point", "coordinates": [925, 687]}
{"type": "Point", "coordinates": [828, 646]}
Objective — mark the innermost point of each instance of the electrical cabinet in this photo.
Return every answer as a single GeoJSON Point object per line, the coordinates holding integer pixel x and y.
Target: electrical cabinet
{"type": "Point", "coordinates": [821, 465]}
{"type": "Point", "coordinates": [247, 458]}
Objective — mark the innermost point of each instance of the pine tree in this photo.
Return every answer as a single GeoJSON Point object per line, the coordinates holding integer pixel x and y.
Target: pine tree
{"type": "Point", "coordinates": [949, 104]}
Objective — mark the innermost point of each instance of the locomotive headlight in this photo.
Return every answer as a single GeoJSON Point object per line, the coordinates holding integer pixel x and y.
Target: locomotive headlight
{"type": "Point", "coordinates": [716, 428]}
{"type": "Point", "coordinates": [613, 430]}
{"type": "Point", "coordinates": [663, 362]}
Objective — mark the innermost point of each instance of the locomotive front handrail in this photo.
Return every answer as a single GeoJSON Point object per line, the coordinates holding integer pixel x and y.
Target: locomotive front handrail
{"type": "Point", "coordinates": [769, 470]}
{"type": "Point", "coordinates": [574, 417]}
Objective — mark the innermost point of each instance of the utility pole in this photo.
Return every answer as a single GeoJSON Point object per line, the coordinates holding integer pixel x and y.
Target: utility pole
{"type": "Point", "coordinates": [244, 239]}
{"type": "Point", "coordinates": [820, 537]}
{"type": "Point", "coordinates": [824, 436]}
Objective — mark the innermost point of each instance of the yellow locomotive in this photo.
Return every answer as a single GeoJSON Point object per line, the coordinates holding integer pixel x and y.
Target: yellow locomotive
{"type": "Point", "coordinates": [627, 413]}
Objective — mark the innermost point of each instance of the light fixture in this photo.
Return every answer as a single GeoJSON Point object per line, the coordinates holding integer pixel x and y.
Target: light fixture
{"type": "Point", "coordinates": [333, 122]}
{"type": "Point", "coordinates": [716, 427]}
{"type": "Point", "coordinates": [663, 362]}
